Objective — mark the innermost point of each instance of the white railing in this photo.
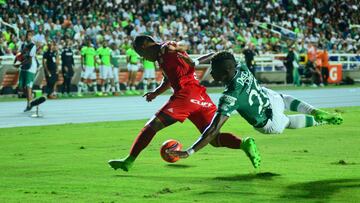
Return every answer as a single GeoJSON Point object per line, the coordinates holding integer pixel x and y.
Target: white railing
{"type": "Point", "coordinates": [266, 63]}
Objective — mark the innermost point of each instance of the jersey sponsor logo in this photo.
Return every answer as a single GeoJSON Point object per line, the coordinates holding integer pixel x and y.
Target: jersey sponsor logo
{"type": "Point", "coordinates": [204, 104]}
{"type": "Point", "coordinates": [171, 110]}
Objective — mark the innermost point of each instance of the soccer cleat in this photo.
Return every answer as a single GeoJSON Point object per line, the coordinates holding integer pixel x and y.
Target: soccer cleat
{"type": "Point", "coordinates": [37, 101]}
{"type": "Point", "coordinates": [99, 94]}
{"type": "Point", "coordinates": [249, 147]}
{"type": "Point", "coordinates": [28, 108]}
{"type": "Point", "coordinates": [80, 95]}
{"type": "Point", "coordinates": [321, 116]}
{"type": "Point", "coordinates": [124, 164]}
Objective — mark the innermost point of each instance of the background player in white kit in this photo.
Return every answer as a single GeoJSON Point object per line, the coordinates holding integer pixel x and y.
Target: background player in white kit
{"type": "Point", "coordinates": [115, 64]}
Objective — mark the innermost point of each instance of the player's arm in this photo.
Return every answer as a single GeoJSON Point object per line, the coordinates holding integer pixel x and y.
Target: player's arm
{"type": "Point", "coordinates": [208, 135]}
{"type": "Point", "coordinates": [205, 59]}
{"type": "Point", "coordinates": [165, 85]}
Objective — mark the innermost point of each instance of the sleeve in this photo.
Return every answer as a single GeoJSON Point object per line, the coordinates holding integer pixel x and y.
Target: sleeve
{"type": "Point", "coordinates": [33, 51]}
{"type": "Point", "coordinates": [228, 103]}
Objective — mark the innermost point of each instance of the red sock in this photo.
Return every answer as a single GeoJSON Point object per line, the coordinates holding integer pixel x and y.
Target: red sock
{"type": "Point", "coordinates": [228, 140]}
{"type": "Point", "coordinates": [141, 142]}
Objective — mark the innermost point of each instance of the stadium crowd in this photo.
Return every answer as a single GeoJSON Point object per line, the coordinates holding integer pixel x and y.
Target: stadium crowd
{"type": "Point", "coordinates": [205, 25]}
{"type": "Point", "coordinates": [97, 28]}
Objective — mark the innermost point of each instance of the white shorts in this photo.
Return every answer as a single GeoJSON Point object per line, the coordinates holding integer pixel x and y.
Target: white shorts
{"type": "Point", "coordinates": [132, 67]}
{"type": "Point", "coordinates": [88, 73]}
{"type": "Point", "coordinates": [149, 73]}
{"type": "Point", "coordinates": [116, 74]}
{"type": "Point", "coordinates": [279, 120]}
{"type": "Point", "coordinates": [106, 72]}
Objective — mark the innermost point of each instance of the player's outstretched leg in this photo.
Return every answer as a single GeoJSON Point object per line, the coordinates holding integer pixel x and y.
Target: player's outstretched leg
{"type": "Point", "coordinates": [250, 148]}
{"type": "Point", "coordinates": [301, 121]}
{"type": "Point", "coordinates": [320, 116]}
{"type": "Point", "coordinates": [141, 142]}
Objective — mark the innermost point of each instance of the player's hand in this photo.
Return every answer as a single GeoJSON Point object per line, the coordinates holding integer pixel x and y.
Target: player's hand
{"type": "Point", "coordinates": [186, 58]}
{"type": "Point", "coordinates": [150, 96]}
{"type": "Point", "coordinates": [181, 154]}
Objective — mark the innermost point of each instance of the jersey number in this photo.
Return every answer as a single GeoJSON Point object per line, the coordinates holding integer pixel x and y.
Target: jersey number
{"type": "Point", "coordinates": [256, 92]}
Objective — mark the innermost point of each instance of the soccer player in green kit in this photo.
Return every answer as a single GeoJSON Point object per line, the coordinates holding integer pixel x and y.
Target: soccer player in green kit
{"type": "Point", "coordinates": [260, 107]}
{"type": "Point", "coordinates": [88, 57]}
{"type": "Point", "coordinates": [106, 72]}
{"type": "Point", "coordinates": [132, 59]}
{"type": "Point", "coordinates": [149, 75]}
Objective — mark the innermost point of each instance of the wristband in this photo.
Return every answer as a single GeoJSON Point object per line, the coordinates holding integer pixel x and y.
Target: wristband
{"type": "Point", "coordinates": [196, 62]}
{"type": "Point", "coordinates": [190, 151]}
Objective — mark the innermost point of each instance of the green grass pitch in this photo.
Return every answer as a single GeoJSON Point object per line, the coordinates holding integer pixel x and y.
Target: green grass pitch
{"type": "Point", "coordinates": [68, 163]}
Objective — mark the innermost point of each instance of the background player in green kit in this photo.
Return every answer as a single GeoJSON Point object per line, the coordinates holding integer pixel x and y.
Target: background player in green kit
{"type": "Point", "coordinates": [149, 75]}
{"type": "Point", "coordinates": [132, 59]}
{"type": "Point", "coordinates": [106, 72]}
{"type": "Point", "coordinates": [259, 106]}
{"type": "Point", "coordinates": [88, 57]}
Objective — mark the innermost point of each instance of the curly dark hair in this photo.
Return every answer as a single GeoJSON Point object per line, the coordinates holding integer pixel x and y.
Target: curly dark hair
{"type": "Point", "coordinates": [225, 58]}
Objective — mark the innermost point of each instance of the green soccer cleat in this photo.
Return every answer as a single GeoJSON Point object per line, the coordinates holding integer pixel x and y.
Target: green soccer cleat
{"type": "Point", "coordinates": [249, 147]}
{"type": "Point", "coordinates": [321, 116]}
{"type": "Point", "coordinates": [124, 164]}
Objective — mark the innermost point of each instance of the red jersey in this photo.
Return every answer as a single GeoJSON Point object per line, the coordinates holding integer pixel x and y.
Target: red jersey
{"type": "Point", "coordinates": [178, 72]}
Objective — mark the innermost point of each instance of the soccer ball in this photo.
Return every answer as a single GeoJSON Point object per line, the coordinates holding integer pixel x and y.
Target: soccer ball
{"type": "Point", "coordinates": [170, 145]}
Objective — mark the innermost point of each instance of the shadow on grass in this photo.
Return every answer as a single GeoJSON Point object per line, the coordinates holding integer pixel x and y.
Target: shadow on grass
{"type": "Point", "coordinates": [178, 166]}
{"type": "Point", "coordinates": [320, 190]}
{"type": "Point", "coordinates": [249, 177]}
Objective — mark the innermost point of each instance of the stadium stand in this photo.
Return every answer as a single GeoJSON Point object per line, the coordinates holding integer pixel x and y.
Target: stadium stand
{"type": "Point", "coordinates": [271, 26]}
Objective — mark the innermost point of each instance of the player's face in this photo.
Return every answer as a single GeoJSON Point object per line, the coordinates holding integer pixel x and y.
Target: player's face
{"type": "Point", "coordinates": [218, 73]}
{"type": "Point", "coordinates": [149, 51]}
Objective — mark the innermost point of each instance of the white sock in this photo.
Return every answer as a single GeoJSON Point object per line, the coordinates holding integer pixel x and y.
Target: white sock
{"type": "Point", "coordinates": [117, 85]}
{"type": "Point", "coordinates": [95, 86]}
{"type": "Point", "coordinates": [102, 88]}
{"type": "Point", "coordinates": [301, 121]}
{"type": "Point", "coordinates": [145, 82]}
{"type": "Point", "coordinates": [153, 86]}
{"type": "Point", "coordinates": [133, 88]}
{"type": "Point", "coordinates": [80, 86]}
{"type": "Point", "coordinates": [294, 104]}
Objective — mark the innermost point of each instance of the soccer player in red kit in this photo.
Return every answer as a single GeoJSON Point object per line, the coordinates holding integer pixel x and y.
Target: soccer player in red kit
{"type": "Point", "coordinates": [189, 100]}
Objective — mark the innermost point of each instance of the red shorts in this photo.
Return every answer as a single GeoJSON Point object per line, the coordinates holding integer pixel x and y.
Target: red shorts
{"type": "Point", "coordinates": [191, 102]}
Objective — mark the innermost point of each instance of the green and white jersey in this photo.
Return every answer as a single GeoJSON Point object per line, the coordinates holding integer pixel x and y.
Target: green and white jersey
{"type": "Point", "coordinates": [88, 53]}
{"type": "Point", "coordinates": [114, 60]}
{"type": "Point", "coordinates": [105, 55]}
{"type": "Point", "coordinates": [244, 95]}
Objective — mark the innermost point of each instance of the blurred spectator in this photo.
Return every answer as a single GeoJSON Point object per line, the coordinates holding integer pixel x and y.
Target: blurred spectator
{"type": "Point", "coordinates": [250, 53]}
